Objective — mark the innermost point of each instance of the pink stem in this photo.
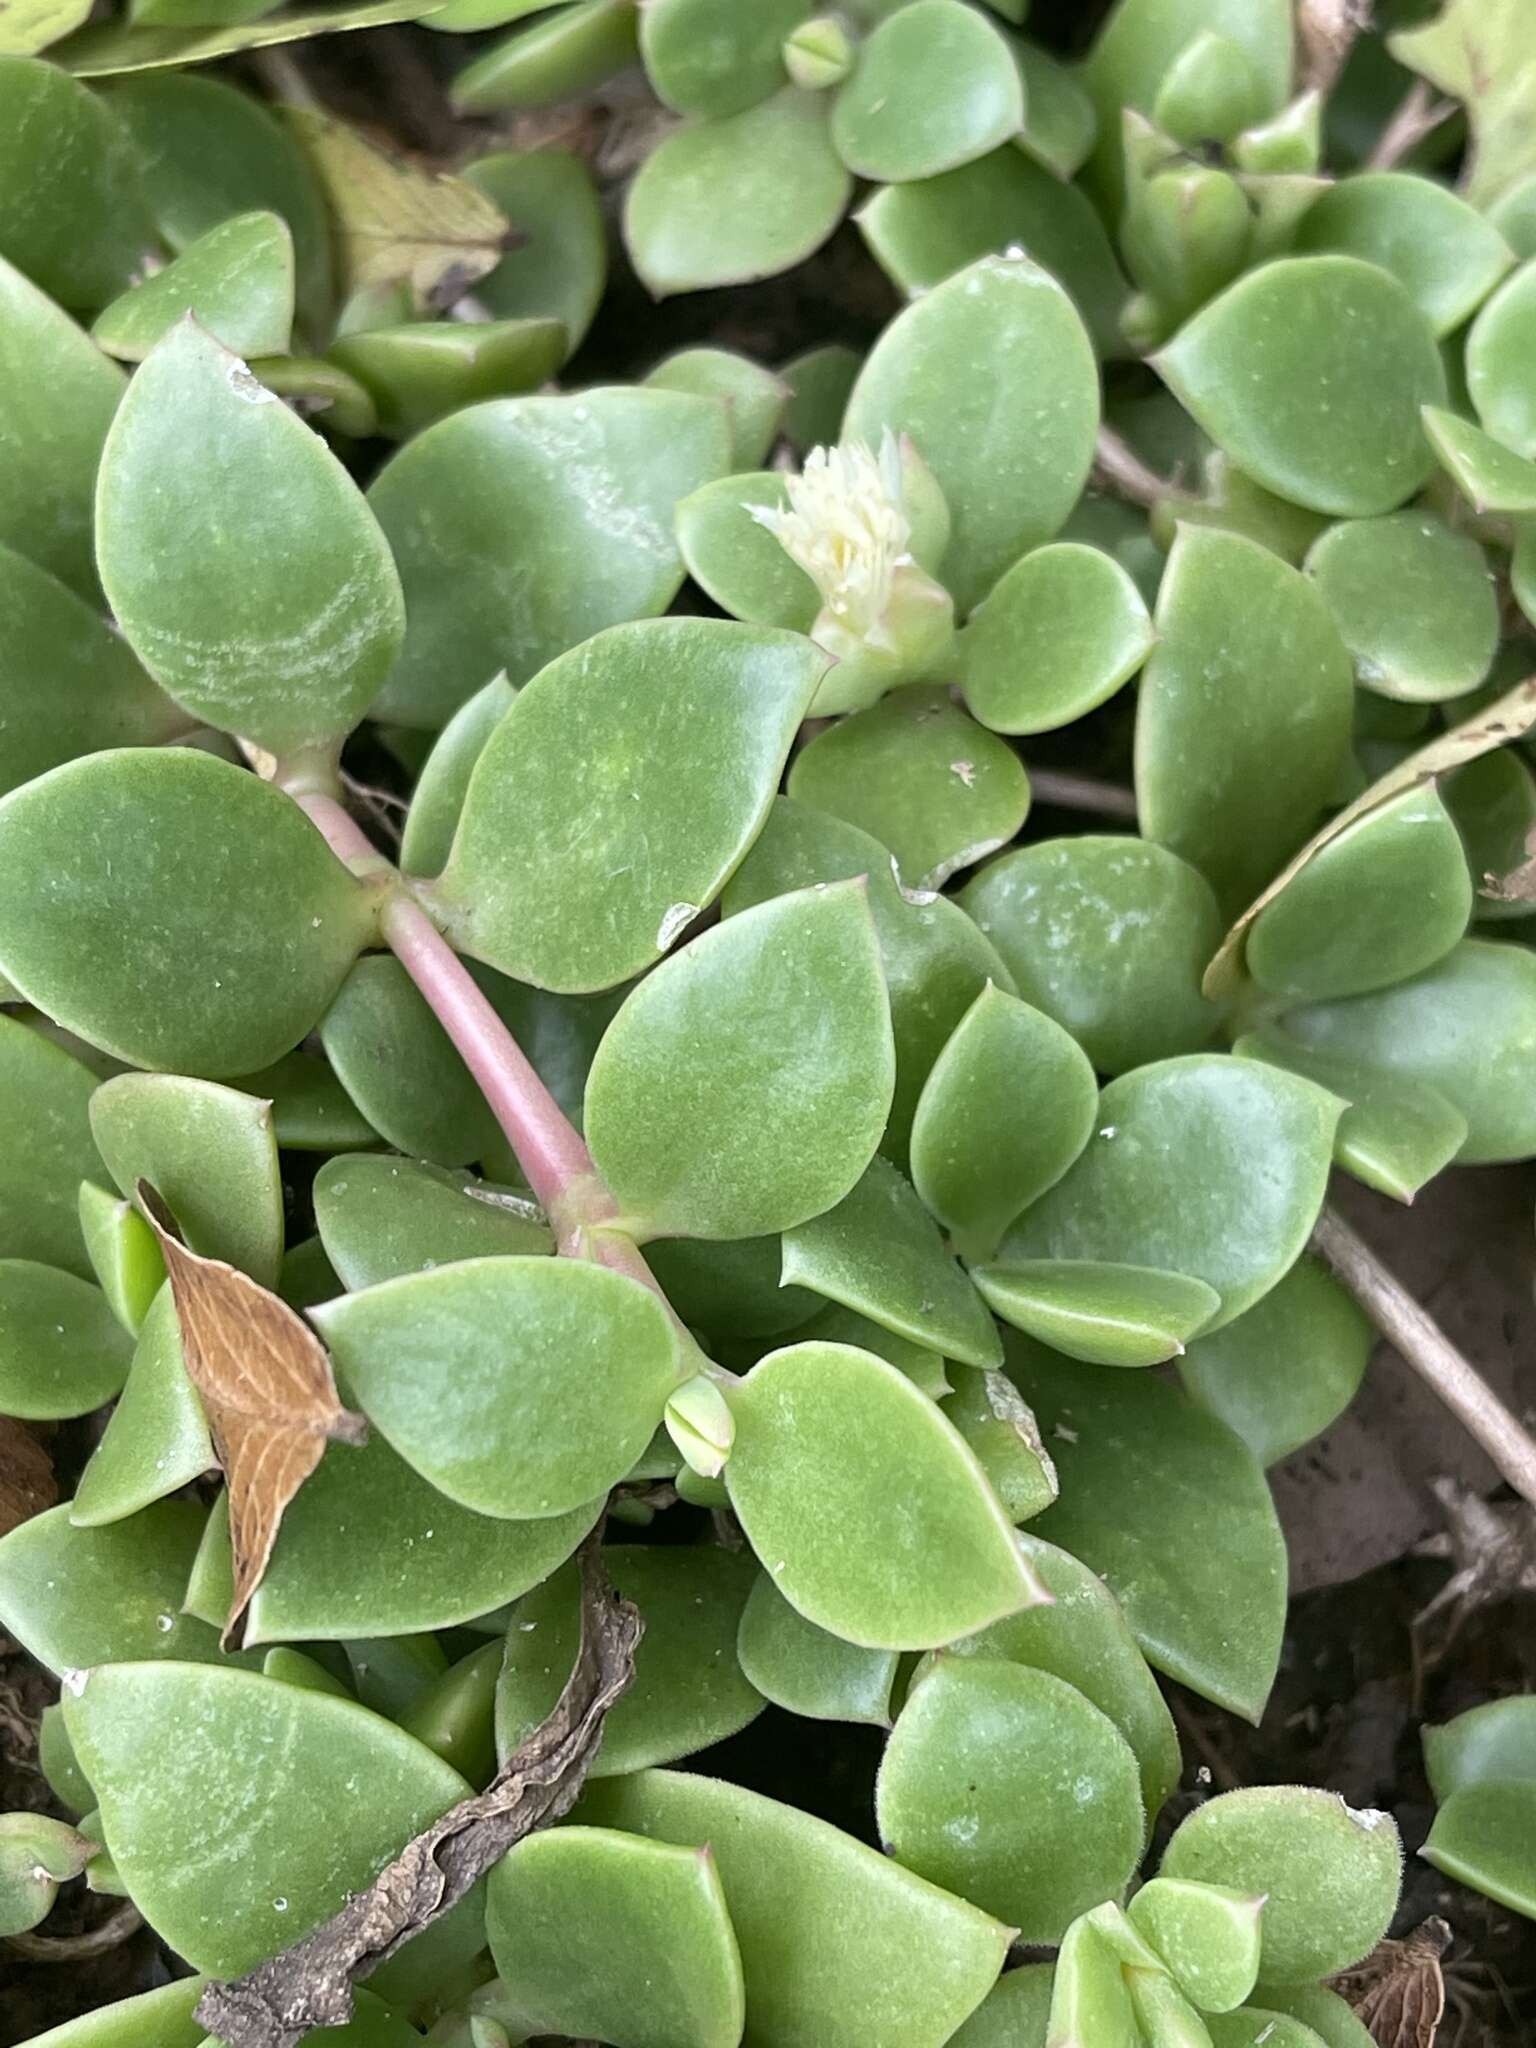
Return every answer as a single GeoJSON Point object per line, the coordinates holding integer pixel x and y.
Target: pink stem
{"type": "Point", "coordinates": [558, 1165]}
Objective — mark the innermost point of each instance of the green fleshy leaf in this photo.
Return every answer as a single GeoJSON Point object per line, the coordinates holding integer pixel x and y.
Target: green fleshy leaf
{"type": "Point", "coordinates": [45, 1095]}
{"type": "Point", "coordinates": [878, 1252]}
{"type": "Point", "coordinates": [1108, 936]}
{"type": "Point", "coordinates": [1465, 1027]}
{"type": "Point", "coordinates": [993, 376]}
{"type": "Point", "coordinates": [210, 1154]}
{"type": "Point", "coordinates": [1444, 252]}
{"type": "Point", "coordinates": [805, 1669]}
{"type": "Point", "coordinates": [1297, 326]}
{"type": "Point", "coordinates": [520, 1387]}
{"type": "Point", "coordinates": [208, 152]}
{"type": "Point", "coordinates": [238, 279]}
{"type": "Point", "coordinates": [72, 215]}
{"type": "Point", "coordinates": [1414, 601]}
{"type": "Point", "coordinates": [934, 959]}
{"type": "Point", "coordinates": [934, 86]}
{"type": "Point", "coordinates": [58, 393]}
{"type": "Point", "coordinates": [33, 24]}
{"type": "Point", "coordinates": [986, 1409]}
{"type": "Point", "coordinates": [437, 802]}
{"type": "Point", "coordinates": [1329, 1875]}
{"type": "Point", "coordinates": [274, 611]}
{"type": "Point", "coordinates": [1208, 1166]}
{"type": "Point", "coordinates": [742, 1088]}
{"type": "Point", "coordinates": [1082, 1636]}
{"type": "Point", "coordinates": [577, 491]}
{"type": "Point", "coordinates": [210, 925]}
{"type": "Point", "coordinates": [62, 1350]}
{"type": "Point", "coordinates": [1009, 1104]}
{"type": "Point", "coordinates": [1014, 2012]}
{"type": "Point", "coordinates": [735, 559]}
{"type": "Point", "coordinates": [157, 1439]}
{"type": "Point", "coordinates": [59, 1765]}
{"type": "Point", "coordinates": [309, 1841]}
{"type": "Point", "coordinates": [1279, 1375]}
{"type": "Point", "coordinates": [1098, 1310]}
{"type": "Point", "coordinates": [712, 57]}
{"type": "Point", "coordinates": [752, 396]}
{"type": "Point", "coordinates": [400, 1068]}
{"type": "Point", "coordinates": [920, 776]}
{"type": "Point", "coordinates": [558, 269]}
{"type": "Point", "coordinates": [688, 1690]}
{"type": "Point", "coordinates": [979, 1741]}
{"type": "Point", "coordinates": [1482, 1837]}
{"type": "Point", "coordinates": [600, 1933]}
{"type": "Point", "coordinates": [1060, 633]}
{"type": "Point", "coordinates": [838, 1325]}
{"type": "Point", "coordinates": [1396, 1132]}
{"type": "Point", "coordinates": [70, 684]}
{"type": "Point", "coordinates": [793, 1886]}
{"type": "Point", "coordinates": [1491, 477]}
{"type": "Point", "coordinates": [1387, 898]}
{"type": "Point", "coordinates": [108, 48]}
{"type": "Point", "coordinates": [155, 2019]}
{"type": "Point", "coordinates": [1495, 1740]}
{"type": "Point", "coordinates": [1244, 712]}
{"type": "Point", "coordinates": [1089, 1997]}
{"type": "Point", "coordinates": [123, 1254]}
{"type": "Point", "coordinates": [77, 1598]}
{"type": "Point", "coordinates": [731, 1289]}
{"type": "Point", "coordinates": [819, 1429]}
{"type": "Point", "coordinates": [331, 1578]}
{"type": "Point", "coordinates": [1332, 2021]}
{"type": "Point", "coordinates": [1060, 123]}
{"type": "Point", "coordinates": [420, 370]}
{"type": "Point", "coordinates": [600, 890]}
{"type": "Point", "coordinates": [311, 1111]}
{"type": "Point", "coordinates": [1198, 1562]}
{"type": "Point", "coordinates": [726, 201]}
{"type": "Point", "coordinates": [562, 56]}
{"type": "Point", "coordinates": [819, 382]}
{"type": "Point", "coordinates": [922, 232]}
{"type": "Point", "coordinates": [1207, 1935]}
{"type": "Point", "coordinates": [1493, 801]}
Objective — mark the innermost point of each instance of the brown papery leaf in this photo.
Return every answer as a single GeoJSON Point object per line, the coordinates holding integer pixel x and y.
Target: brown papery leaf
{"type": "Point", "coordinates": [1510, 717]}
{"type": "Point", "coordinates": [27, 1484]}
{"type": "Point", "coordinates": [397, 223]}
{"type": "Point", "coordinates": [1398, 1993]}
{"type": "Point", "coordinates": [265, 1381]}
{"type": "Point", "coordinates": [311, 1984]}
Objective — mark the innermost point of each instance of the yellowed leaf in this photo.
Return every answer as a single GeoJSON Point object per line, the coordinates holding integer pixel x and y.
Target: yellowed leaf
{"type": "Point", "coordinates": [27, 1484]}
{"type": "Point", "coordinates": [264, 1379]}
{"type": "Point", "coordinates": [398, 222]}
{"type": "Point", "coordinates": [1508, 718]}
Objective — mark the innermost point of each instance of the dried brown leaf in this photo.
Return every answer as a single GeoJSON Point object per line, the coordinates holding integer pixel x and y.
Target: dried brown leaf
{"type": "Point", "coordinates": [1508, 718]}
{"type": "Point", "coordinates": [27, 1484]}
{"type": "Point", "coordinates": [396, 222]}
{"type": "Point", "coordinates": [311, 1984]}
{"type": "Point", "coordinates": [1397, 1993]}
{"type": "Point", "coordinates": [1519, 885]}
{"type": "Point", "coordinates": [265, 1381]}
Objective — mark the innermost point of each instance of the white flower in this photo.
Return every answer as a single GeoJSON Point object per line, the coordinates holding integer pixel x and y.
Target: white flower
{"type": "Point", "coordinates": [847, 529]}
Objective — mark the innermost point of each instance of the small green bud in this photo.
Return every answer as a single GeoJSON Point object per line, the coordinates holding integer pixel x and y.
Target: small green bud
{"type": "Point", "coordinates": [700, 1423]}
{"type": "Point", "coordinates": [819, 54]}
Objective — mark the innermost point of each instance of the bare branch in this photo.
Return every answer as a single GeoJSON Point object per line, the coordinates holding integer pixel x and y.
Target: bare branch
{"type": "Point", "coordinates": [1327, 30]}
{"type": "Point", "coordinates": [1419, 114]}
{"type": "Point", "coordinates": [1423, 1345]}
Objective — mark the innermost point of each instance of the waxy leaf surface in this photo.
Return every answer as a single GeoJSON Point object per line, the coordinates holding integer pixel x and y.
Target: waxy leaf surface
{"type": "Point", "coordinates": [192, 919]}
{"type": "Point", "coordinates": [242, 563]}
{"type": "Point", "coordinates": [224, 1876]}
{"type": "Point", "coordinates": [612, 801]}
{"type": "Point", "coordinates": [520, 1387]}
{"type": "Point", "coordinates": [839, 1945]}
{"type": "Point", "coordinates": [743, 1087]}
{"type": "Point", "coordinates": [819, 1429]}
